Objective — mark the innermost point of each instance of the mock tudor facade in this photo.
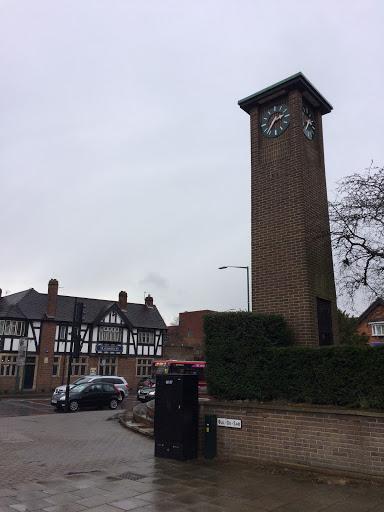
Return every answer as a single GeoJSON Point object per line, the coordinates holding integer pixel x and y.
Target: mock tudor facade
{"type": "Point", "coordinates": [117, 338]}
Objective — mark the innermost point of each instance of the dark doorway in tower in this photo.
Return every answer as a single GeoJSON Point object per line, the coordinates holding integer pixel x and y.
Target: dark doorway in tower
{"type": "Point", "coordinates": [324, 322]}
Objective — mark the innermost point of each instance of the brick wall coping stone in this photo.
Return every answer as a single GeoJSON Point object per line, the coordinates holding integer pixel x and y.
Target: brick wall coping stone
{"type": "Point", "coordinates": [247, 404]}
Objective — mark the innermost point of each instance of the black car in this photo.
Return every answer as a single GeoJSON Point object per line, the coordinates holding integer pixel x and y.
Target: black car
{"type": "Point", "coordinates": [89, 395]}
{"type": "Point", "coordinates": [146, 394]}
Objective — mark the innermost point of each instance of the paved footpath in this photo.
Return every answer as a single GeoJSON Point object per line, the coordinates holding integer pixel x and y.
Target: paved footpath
{"type": "Point", "coordinates": [88, 461]}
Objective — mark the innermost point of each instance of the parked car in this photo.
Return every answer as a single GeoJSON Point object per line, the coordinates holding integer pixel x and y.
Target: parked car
{"type": "Point", "coordinates": [87, 394]}
{"type": "Point", "coordinates": [119, 382]}
{"type": "Point", "coordinates": [146, 394]}
{"type": "Point", "coordinates": [146, 382]}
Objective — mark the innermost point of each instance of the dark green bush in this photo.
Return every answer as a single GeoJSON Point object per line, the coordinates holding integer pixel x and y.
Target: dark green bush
{"type": "Point", "coordinates": [246, 359]}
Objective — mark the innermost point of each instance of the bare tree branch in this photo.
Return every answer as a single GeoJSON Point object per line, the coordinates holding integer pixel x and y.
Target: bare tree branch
{"type": "Point", "coordinates": [357, 231]}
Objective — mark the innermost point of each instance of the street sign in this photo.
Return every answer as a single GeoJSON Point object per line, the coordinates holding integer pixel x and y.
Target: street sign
{"type": "Point", "coordinates": [20, 360]}
{"type": "Point", "coordinates": [228, 422]}
{"type": "Point", "coordinates": [23, 344]}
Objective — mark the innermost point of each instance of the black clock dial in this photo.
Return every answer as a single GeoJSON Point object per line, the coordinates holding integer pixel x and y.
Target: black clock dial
{"type": "Point", "coordinates": [275, 121]}
{"type": "Point", "coordinates": [308, 123]}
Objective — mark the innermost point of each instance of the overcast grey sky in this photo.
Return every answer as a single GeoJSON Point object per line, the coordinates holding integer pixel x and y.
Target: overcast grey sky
{"type": "Point", "coordinates": [124, 157]}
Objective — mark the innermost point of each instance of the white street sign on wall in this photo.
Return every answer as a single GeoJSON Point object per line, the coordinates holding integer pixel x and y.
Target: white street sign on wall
{"type": "Point", "coordinates": [228, 422]}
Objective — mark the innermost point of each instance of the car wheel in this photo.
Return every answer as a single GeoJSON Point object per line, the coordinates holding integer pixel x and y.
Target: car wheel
{"type": "Point", "coordinates": [74, 406]}
{"type": "Point", "coordinates": [113, 403]}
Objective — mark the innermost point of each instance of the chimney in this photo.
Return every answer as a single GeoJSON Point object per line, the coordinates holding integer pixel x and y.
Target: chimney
{"type": "Point", "coordinates": [149, 301]}
{"type": "Point", "coordinates": [123, 299]}
{"type": "Point", "coordinates": [53, 287]}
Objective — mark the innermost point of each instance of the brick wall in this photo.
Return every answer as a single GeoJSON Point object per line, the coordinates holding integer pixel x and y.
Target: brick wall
{"type": "Point", "coordinates": [126, 367]}
{"type": "Point", "coordinates": [43, 370]}
{"type": "Point", "coordinates": [348, 441]}
{"type": "Point", "coordinates": [186, 340]}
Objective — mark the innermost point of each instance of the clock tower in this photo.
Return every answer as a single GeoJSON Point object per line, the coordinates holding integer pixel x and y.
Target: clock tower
{"type": "Point", "coordinates": [292, 269]}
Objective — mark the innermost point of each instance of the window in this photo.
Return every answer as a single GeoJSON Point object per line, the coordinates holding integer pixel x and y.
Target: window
{"type": "Point", "coordinates": [63, 332]}
{"type": "Point", "coordinates": [190, 334]}
{"type": "Point", "coordinates": [8, 365]}
{"type": "Point", "coordinates": [107, 366]}
{"type": "Point", "coordinates": [56, 366]}
{"type": "Point", "coordinates": [79, 366]}
{"type": "Point", "coordinates": [143, 367]}
{"type": "Point", "coordinates": [377, 329]}
{"type": "Point", "coordinates": [96, 388]}
{"type": "Point", "coordinates": [108, 388]}
{"type": "Point", "coordinates": [12, 328]}
{"type": "Point", "coordinates": [114, 334]}
{"type": "Point", "coordinates": [146, 338]}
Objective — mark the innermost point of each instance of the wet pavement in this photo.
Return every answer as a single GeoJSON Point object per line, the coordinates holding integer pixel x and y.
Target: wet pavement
{"type": "Point", "coordinates": [61, 462]}
{"type": "Point", "coordinates": [24, 406]}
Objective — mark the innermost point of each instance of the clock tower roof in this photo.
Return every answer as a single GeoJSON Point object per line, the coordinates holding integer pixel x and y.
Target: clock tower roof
{"type": "Point", "coordinates": [297, 81]}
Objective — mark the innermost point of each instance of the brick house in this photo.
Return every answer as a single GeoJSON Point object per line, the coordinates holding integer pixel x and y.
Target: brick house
{"type": "Point", "coordinates": [117, 338]}
{"type": "Point", "coordinates": [186, 340]}
{"type": "Point", "coordinates": [372, 322]}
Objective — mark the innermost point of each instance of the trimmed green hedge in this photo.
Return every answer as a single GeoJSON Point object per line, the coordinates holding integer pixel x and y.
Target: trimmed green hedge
{"type": "Point", "coordinates": [249, 328]}
{"type": "Point", "coordinates": [249, 362]}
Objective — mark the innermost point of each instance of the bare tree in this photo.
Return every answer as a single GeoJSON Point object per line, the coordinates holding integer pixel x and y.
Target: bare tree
{"type": "Point", "coordinates": [357, 230]}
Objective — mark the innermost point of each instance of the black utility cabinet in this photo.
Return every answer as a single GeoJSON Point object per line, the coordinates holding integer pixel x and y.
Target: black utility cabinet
{"type": "Point", "coordinates": [176, 416]}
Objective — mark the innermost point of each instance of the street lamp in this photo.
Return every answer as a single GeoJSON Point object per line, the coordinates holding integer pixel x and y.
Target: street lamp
{"type": "Point", "coordinates": [234, 266]}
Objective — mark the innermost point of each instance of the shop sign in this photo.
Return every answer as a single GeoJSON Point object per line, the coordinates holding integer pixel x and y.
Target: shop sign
{"type": "Point", "coordinates": [109, 348]}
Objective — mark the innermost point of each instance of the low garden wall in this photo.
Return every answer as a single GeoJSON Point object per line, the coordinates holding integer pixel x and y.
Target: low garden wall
{"type": "Point", "coordinates": [351, 442]}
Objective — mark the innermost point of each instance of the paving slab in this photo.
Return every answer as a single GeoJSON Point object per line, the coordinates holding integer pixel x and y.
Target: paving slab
{"type": "Point", "coordinates": [88, 461]}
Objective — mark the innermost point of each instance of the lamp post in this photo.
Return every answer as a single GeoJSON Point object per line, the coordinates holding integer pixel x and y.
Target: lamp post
{"type": "Point", "coordinates": [234, 266]}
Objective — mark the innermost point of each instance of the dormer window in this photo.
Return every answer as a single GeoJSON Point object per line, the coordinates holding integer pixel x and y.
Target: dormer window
{"type": "Point", "coordinates": [377, 328]}
{"type": "Point", "coordinates": [110, 334]}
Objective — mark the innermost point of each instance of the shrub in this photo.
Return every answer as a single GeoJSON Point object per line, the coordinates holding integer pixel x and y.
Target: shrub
{"type": "Point", "coordinates": [248, 357]}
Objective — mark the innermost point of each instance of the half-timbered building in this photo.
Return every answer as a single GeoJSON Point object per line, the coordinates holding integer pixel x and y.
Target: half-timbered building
{"type": "Point", "coordinates": [116, 338]}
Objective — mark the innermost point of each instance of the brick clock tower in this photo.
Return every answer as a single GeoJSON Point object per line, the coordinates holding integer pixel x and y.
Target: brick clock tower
{"type": "Point", "coordinates": [292, 270]}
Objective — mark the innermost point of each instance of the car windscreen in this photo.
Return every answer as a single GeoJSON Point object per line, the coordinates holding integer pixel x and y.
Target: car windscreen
{"type": "Point", "coordinates": [82, 380]}
{"type": "Point", "coordinates": [79, 388]}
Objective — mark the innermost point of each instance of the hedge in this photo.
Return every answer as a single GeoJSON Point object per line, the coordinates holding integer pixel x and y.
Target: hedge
{"type": "Point", "coordinates": [250, 361]}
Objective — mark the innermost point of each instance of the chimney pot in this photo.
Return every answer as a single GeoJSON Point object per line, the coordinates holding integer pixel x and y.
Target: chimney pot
{"type": "Point", "coordinates": [149, 301]}
{"type": "Point", "coordinates": [123, 300]}
{"type": "Point", "coordinates": [53, 287]}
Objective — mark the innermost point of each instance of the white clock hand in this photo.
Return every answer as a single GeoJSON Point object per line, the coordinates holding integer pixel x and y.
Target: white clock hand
{"type": "Point", "coordinates": [276, 118]}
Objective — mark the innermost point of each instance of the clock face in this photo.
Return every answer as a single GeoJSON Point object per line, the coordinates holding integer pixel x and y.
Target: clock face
{"type": "Point", "coordinates": [275, 121]}
{"type": "Point", "coordinates": [308, 123]}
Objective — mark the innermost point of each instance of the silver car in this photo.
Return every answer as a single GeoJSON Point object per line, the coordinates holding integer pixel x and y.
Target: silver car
{"type": "Point", "coordinates": [146, 394]}
{"type": "Point", "coordinates": [119, 382]}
